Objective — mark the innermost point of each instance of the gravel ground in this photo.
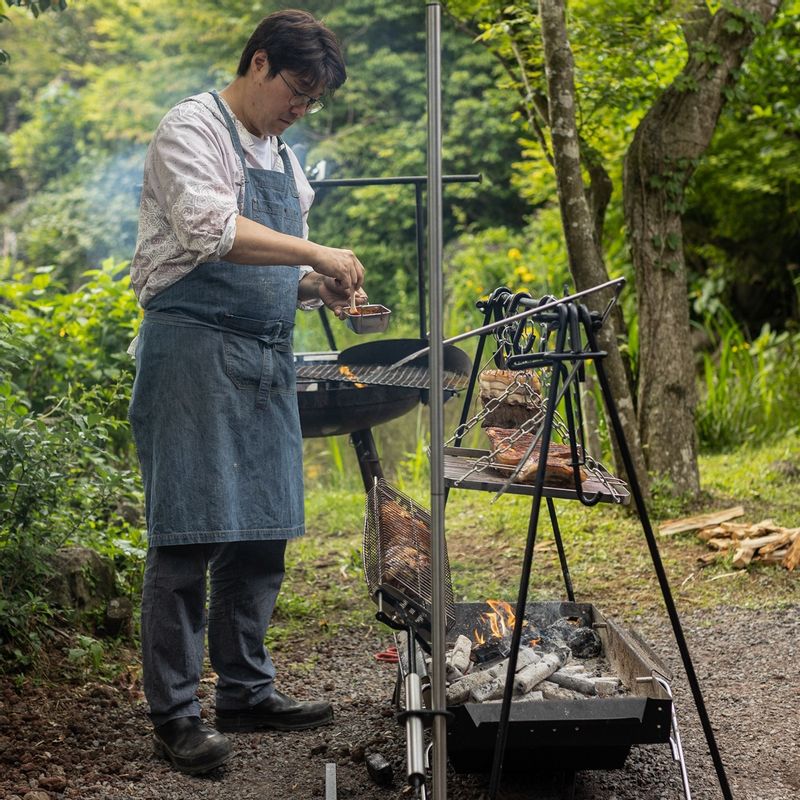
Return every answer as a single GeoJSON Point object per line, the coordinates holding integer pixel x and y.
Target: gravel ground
{"type": "Point", "coordinates": [93, 741]}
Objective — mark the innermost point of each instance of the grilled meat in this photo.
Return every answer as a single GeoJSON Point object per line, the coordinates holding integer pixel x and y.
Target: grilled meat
{"type": "Point", "coordinates": [516, 395]}
{"type": "Point", "coordinates": [559, 459]}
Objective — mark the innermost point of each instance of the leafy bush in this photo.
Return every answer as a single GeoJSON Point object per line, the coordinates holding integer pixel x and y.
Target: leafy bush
{"type": "Point", "coordinates": [67, 472]}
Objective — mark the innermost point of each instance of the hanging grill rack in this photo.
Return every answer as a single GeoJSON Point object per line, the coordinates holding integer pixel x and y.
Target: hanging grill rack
{"type": "Point", "coordinates": [461, 464]}
{"type": "Point", "coordinates": [515, 343]}
{"type": "Point", "coordinates": [397, 562]}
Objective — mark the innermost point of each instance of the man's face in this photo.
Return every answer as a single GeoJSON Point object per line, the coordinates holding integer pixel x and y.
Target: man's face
{"type": "Point", "coordinates": [275, 103]}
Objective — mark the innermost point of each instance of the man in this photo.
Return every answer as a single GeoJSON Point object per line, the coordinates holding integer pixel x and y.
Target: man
{"type": "Point", "coordinates": [222, 262]}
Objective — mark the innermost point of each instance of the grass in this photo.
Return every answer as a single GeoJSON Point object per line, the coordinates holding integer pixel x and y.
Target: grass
{"type": "Point", "coordinates": [606, 548]}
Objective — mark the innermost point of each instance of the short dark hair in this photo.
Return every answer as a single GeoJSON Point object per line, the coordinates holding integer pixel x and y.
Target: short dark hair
{"type": "Point", "coordinates": [297, 42]}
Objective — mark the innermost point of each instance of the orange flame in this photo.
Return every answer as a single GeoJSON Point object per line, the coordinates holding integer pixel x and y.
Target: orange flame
{"type": "Point", "coordinates": [348, 373]}
{"type": "Point", "coordinates": [500, 621]}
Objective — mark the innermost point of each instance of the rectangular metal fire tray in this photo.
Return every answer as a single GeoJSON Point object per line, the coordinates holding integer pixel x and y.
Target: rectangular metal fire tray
{"type": "Point", "coordinates": [595, 733]}
{"type": "Point", "coordinates": [459, 470]}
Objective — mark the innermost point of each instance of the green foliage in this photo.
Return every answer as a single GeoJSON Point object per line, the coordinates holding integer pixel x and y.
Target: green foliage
{"type": "Point", "coordinates": [36, 7]}
{"type": "Point", "coordinates": [67, 471]}
{"type": "Point", "coordinates": [532, 260]}
{"type": "Point", "coordinates": [87, 654]}
{"type": "Point", "coordinates": [750, 388]}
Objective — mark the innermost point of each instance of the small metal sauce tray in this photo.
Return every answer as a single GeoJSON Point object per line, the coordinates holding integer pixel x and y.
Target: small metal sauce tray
{"type": "Point", "coordinates": [367, 319]}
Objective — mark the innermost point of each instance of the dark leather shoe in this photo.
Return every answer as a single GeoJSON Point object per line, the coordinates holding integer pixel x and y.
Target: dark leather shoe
{"type": "Point", "coordinates": [191, 746]}
{"type": "Point", "coordinates": [278, 712]}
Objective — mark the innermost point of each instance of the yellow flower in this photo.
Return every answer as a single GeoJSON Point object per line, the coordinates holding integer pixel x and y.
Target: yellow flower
{"type": "Point", "coordinates": [514, 254]}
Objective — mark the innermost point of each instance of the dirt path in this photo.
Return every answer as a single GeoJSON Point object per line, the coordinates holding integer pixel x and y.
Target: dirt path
{"type": "Point", "coordinates": [93, 741]}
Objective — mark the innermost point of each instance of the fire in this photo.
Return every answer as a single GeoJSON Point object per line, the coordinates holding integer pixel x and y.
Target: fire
{"type": "Point", "coordinates": [350, 375]}
{"type": "Point", "coordinates": [500, 621]}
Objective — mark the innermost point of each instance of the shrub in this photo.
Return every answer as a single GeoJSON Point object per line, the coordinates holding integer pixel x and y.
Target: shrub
{"type": "Point", "coordinates": [67, 471]}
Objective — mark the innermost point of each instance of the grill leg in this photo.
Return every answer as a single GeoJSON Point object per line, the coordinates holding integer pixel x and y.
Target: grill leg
{"type": "Point", "coordinates": [567, 788]}
{"type": "Point", "coordinates": [367, 454]}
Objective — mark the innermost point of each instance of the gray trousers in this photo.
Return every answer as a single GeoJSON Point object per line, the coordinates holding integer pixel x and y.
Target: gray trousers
{"type": "Point", "coordinates": [245, 578]}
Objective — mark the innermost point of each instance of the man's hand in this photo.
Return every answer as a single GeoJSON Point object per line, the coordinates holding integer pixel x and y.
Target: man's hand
{"type": "Point", "coordinates": [341, 266]}
{"type": "Point", "coordinates": [336, 298]}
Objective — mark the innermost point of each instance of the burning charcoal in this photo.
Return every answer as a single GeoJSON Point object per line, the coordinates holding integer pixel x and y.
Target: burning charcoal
{"type": "Point", "coordinates": [607, 686]}
{"type": "Point", "coordinates": [488, 691]}
{"type": "Point", "coordinates": [536, 672]}
{"type": "Point", "coordinates": [492, 650]}
{"type": "Point", "coordinates": [584, 643]}
{"type": "Point", "coordinates": [461, 690]}
{"type": "Point", "coordinates": [552, 691]}
{"type": "Point", "coordinates": [582, 640]}
{"type": "Point", "coordinates": [496, 687]}
{"type": "Point", "coordinates": [459, 657]}
{"type": "Point", "coordinates": [379, 769]}
{"type": "Point", "coordinates": [574, 681]}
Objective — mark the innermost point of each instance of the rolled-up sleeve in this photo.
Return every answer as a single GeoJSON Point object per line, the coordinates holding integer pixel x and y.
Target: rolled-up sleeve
{"type": "Point", "coordinates": [195, 184]}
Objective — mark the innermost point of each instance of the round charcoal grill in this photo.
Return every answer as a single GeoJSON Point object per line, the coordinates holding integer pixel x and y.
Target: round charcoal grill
{"type": "Point", "coordinates": [356, 389]}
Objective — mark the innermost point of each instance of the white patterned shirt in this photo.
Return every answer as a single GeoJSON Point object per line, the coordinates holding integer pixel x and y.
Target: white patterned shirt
{"type": "Point", "coordinates": [193, 190]}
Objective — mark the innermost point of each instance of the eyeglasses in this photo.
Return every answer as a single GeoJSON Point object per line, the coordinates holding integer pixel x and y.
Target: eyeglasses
{"type": "Point", "coordinates": [312, 104]}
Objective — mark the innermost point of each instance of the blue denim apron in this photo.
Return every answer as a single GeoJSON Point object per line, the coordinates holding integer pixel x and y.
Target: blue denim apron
{"type": "Point", "coordinates": [214, 404]}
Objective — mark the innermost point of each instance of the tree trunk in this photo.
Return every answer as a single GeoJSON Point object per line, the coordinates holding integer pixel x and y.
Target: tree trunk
{"type": "Point", "coordinates": [579, 222]}
{"type": "Point", "coordinates": [662, 157]}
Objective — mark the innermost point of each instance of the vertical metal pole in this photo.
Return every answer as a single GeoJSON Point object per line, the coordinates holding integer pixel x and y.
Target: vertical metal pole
{"type": "Point", "coordinates": [435, 281]}
{"type": "Point", "coordinates": [419, 230]}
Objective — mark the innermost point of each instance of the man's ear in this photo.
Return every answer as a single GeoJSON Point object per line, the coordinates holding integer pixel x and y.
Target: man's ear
{"type": "Point", "coordinates": [259, 60]}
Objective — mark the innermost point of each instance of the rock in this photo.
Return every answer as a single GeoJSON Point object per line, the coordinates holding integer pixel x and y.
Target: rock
{"type": "Point", "coordinates": [36, 795]}
{"type": "Point", "coordinates": [118, 619]}
{"type": "Point", "coordinates": [357, 754]}
{"type": "Point", "coordinates": [379, 769]}
{"type": "Point", "coordinates": [54, 783]}
{"type": "Point", "coordinates": [82, 579]}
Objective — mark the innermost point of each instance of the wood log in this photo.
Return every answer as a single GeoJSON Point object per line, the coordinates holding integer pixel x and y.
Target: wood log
{"type": "Point", "coordinates": [759, 541]}
{"type": "Point", "coordinates": [607, 686]}
{"type": "Point", "coordinates": [775, 557]}
{"type": "Point", "coordinates": [709, 558]}
{"type": "Point", "coordinates": [460, 690]}
{"type": "Point", "coordinates": [459, 656]}
{"type": "Point", "coordinates": [715, 532]}
{"type": "Point", "coordinates": [743, 556]}
{"type": "Point", "coordinates": [792, 557]}
{"type": "Point", "coordinates": [552, 691]}
{"type": "Point", "coordinates": [497, 686]}
{"type": "Point", "coordinates": [737, 530]}
{"type": "Point", "coordinates": [535, 673]}
{"type": "Point", "coordinates": [720, 544]}
{"type": "Point", "coordinates": [673, 526]}
{"type": "Point", "coordinates": [781, 540]}
{"type": "Point", "coordinates": [574, 681]}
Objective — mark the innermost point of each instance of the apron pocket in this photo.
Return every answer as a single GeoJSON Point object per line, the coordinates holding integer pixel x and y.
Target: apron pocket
{"type": "Point", "coordinates": [247, 361]}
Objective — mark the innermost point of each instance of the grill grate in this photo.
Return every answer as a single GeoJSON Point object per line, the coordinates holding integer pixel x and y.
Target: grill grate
{"type": "Point", "coordinates": [412, 377]}
{"type": "Point", "coordinates": [397, 559]}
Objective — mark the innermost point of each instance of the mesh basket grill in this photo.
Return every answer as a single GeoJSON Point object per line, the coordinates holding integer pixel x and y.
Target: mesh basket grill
{"type": "Point", "coordinates": [397, 558]}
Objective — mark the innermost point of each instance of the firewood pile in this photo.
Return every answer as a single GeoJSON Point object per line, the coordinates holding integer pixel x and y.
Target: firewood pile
{"type": "Point", "coordinates": [763, 542]}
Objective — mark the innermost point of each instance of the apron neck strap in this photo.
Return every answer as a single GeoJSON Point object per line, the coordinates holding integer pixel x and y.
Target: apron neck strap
{"type": "Point", "coordinates": [237, 142]}
{"type": "Point", "coordinates": [288, 170]}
